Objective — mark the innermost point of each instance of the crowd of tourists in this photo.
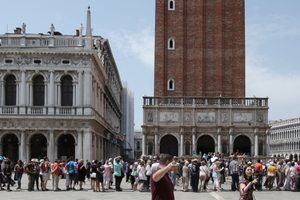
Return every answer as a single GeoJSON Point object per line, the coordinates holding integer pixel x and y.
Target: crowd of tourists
{"type": "Point", "coordinates": [191, 174]}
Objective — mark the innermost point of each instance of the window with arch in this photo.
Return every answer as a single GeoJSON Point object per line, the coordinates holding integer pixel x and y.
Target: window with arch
{"type": "Point", "coordinates": [171, 5]}
{"type": "Point", "coordinates": [224, 148]}
{"type": "Point", "coordinates": [171, 84]}
{"type": "Point", "coordinates": [187, 148]}
{"type": "Point", "coordinates": [67, 91]}
{"type": "Point", "coordinates": [260, 149]}
{"type": "Point", "coordinates": [10, 90]}
{"type": "Point", "coordinates": [138, 145]}
{"type": "Point", "coordinates": [171, 44]}
{"type": "Point", "coordinates": [38, 91]}
{"type": "Point", "coordinates": [150, 148]}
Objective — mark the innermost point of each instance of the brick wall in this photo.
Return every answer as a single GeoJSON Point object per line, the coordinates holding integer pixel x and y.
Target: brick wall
{"type": "Point", "coordinates": [209, 55]}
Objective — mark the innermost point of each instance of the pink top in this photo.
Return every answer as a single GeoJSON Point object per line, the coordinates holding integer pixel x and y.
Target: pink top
{"type": "Point", "coordinates": [297, 169]}
{"type": "Point", "coordinates": [107, 170]}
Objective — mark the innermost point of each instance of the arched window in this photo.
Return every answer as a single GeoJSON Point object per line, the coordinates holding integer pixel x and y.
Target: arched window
{"type": "Point", "coordinates": [171, 5]}
{"type": "Point", "coordinates": [138, 145]}
{"type": "Point", "coordinates": [187, 148]}
{"type": "Point", "coordinates": [10, 90]}
{"type": "Point", "coordinates": [150, 148]}
{"type": "Point", "coordinates": [171, 84]}
{"type": "Point", "coordinates": [38, 91]}
{"type": "Point", "coordinates": [171, 44]}
{"type": "Point", "coordinates": [66, 91]}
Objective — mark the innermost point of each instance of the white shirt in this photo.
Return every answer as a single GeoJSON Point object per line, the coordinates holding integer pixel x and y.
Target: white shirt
{"type": "Point", "coordinates": [154, 166]}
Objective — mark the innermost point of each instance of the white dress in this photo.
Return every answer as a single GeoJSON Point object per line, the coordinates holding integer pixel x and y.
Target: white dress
{"type": "Point", "coordinates": [286, 185]}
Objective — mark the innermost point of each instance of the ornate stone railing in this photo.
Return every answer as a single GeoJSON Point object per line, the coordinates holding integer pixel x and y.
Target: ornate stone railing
{"type": "Point", "coordinates": [41, 110]}
{"type": "Point", "coordinates": [205, 102]}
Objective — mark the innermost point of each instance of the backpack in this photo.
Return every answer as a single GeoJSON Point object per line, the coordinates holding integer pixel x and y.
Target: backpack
{"type": "Point", "coordinates": [235, 168]}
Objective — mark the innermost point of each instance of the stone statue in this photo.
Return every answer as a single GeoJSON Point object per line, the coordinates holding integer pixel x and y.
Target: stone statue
{"type": "Point", "coordinates": [52, 28]}
{"type": "Point", "coordinates": [24, 28]}
{"type": "Point", "coordinates": [81, 28]}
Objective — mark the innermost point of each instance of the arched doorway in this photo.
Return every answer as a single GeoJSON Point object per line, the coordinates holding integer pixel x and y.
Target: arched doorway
{"type": "Point", "coordinates": [10, 146]}
{"type": "Point", "coordinates": [169, 145]}
{"type": "Point", "coordinates": [205, 144]}
{"type": "Point", "coordinates": [242, 144]}
{"type": "Point", "coordinates": [66, 146]}
{"type": "Point", "coordinates": [38, 146]}
{"type": "Point", "coordinates": [291, 157]}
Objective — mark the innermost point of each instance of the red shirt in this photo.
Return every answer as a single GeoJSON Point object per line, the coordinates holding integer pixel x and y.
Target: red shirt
{"type": "Point", "coordinates": [55, 165]}
{"type": "Point", "coordinates": [163, 189]}
{"type": "Point", "coordinates": [62, 165]}
{"type": "Point", "coordinates": [257, 167]}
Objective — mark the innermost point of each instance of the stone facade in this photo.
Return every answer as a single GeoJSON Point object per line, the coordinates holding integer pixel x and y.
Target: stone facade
{"type": "Point", "coordinates": [199, 103]}
{"type": "Point", "coordinates": [285, 139]}
{"type": "Point", "coordinates": [53, 128]}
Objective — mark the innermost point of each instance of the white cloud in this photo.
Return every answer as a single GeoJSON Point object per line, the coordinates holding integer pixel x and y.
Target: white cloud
{"type": "Point", "coordinates": [262, 78]}
{"type": "Point", "coordinates": [135, 44]}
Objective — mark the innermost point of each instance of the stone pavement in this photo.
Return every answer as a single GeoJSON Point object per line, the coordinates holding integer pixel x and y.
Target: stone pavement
{"type": "Point", "coordinates": [88, 194]}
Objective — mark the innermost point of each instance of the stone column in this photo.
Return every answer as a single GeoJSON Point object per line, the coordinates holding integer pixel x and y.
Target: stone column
{"type": "Point", "coordinates": [267, 143]}
{"type": "Point", "coordinates": [230, 141]}
{"type": "Point", "coordinates": [2, 98]}
{"type": "Point", "coordinates": [156, 144]}
{"type": "Point", "coordinates": [59, 94]}
{"type": "Point", "coordinates": [74, 94]}
{"type": "Point", "coordinates": [51, 93]}
{"type": "Point", "coordinates": [256, 143]}
{"type": "Point", "coordinates": [87, 92]}
{"type": "Point", "coordinates": [22, 150]}
{"type": "Point", "coordinates": [144, 141]}
{"type": "Point", "coordinates": [28, 151]}
{"type": "Point", "coordinates": [181, 144]}
{"type": "Point", "coordinates": [30, 94]}
{"type": "Point", "coordinates": [87, 144]}
{"type": "Point", "coordinates": [194, 142]}
{"type": "Point", "coordinates": [79, 144]}
{"type": "Point", "coordinates": [51, 142]}
{"type": "Point", "coordinates": [23, 93]}
{"type": "Point", "coordinates": [79, 89]}
{"type": "Point", "coordinates": [219, 141]}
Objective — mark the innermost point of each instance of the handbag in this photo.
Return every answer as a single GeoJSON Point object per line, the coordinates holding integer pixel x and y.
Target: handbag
{"type": "Point", "coordinates": [93, 175]}
{"type": "Point", "coordinates": [134, 173]}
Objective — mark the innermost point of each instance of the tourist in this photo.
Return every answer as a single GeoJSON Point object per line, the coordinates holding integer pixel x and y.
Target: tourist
{"type": "Point", "coordinates": [45, 167]}
{"type": "Point", "coordinates": [19, 170]}
{"type": "Point", "coordinates": [55, 175]}
{"type": "Point", "coordinates": [88, 167]}
{"type": "Point", "coordinates": [37, 171]}
{"type": "Point", "coordinates": [286, 185]}
{"type": "Point", "coordinates": [280, 175]}
{"type": "Point", "coordinates": [62, 166]}
{"type": "Point", "coordinates": [100, 172]}
{"type": "Point", "coordinates": [133, 176]}
{"type": "Point", "coordinates": [141, 175]}
{"type": "Point", "coordinates": [117, 172]}
{"type": "Point", "coordinates": [293, 184]}
{"type": "Point", "coordinates": [31, 174]}
{"type": "Point", "coordinates": [234, 171]}
{"type": "Point", "coordinates": [297, 169]}
{"type": "Point", "coordinates": [185, 177]}
{"type": "Point", "coordinates": [106, 175]}
{"type": "Point", "coordinates": [148, 174]}
{"type": "Point", "coordinates": [270, 176]}
{"type": "Point", "coordinates": [215, 173]}
{"type": "Point", "coordinates": [81, 173]}
{"type": "Point", "coordinates": [246, 184]}
{"type": "Point", "coordinates": [203, 175]}
{"type": "Point", "coordinates": [70, 167]}
{"type": "Point", "coordinates": [7, 172]}
{"type": "Point", "coordinates": [93, 171]}
{"type": "Point", "coordinates": [161, 185]}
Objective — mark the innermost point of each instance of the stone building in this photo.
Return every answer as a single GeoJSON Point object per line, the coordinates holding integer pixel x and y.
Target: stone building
{"type": "Point", "coordinates": [285, 139]}
{"type": "Point", "coordinates": [60, 95]}
{"type": "Point", "coordinates": [199, 102]}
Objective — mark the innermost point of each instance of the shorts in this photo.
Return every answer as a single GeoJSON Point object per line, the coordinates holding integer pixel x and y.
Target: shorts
{"type": "Point", "coordinates": [72, 177]}
{"type": "Point", "coordinates": [100, 178]}
{"type": "Point", "coordinates": [45, 176]}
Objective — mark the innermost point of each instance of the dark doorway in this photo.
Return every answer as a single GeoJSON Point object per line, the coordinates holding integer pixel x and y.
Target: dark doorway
{"type": "Point", "coordinates": [38, 91]}
{"type": "Point", "coordinates": [66, 146]}
{"type": "Point", "coordinates": [11, 147]}
{"type": "Point", "coordinates": [242, 144]}
{"type": "Point", "coordinates": [67, 91]}
{"type": "Point", "coordinates": [205, 144]}
{"type": "Point", "coordinates": [38, 146]}
{"type": "Point", "coordinates": [169, 145]}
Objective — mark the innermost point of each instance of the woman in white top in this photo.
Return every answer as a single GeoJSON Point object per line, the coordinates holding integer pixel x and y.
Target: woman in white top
{"type": "Point", "coordinates": [203, 175]}
{"type": "Point", "coordinates": [185, 177]}
{"type": "Point", "coordinates": [141, 175]}
{"type": "Point", "coordinates": [215, 175]}
{"type": "Point", "coordinates": [148, 173]}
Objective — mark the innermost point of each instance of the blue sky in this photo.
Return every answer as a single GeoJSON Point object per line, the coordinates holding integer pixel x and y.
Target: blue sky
{"type": "Point", "coordinates": [272, 42]}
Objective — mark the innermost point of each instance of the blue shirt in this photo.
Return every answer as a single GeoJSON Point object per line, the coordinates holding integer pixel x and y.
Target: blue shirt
{"type": "Point", "coordinates": [71, 167]}
{"type": "Point", "coordinates": [117, 169]}
{"type": "Point", "coordinates": [127, 168]}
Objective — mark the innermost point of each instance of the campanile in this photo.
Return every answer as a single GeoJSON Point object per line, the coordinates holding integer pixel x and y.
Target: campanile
{"type": "Point", "coordinates": [200, 48]}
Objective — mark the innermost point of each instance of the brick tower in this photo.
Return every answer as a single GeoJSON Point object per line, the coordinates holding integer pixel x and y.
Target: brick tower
{"type": "Point", "coordinates": [200, 48]}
